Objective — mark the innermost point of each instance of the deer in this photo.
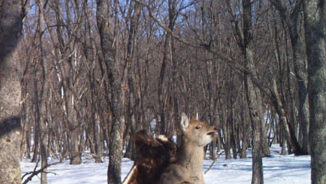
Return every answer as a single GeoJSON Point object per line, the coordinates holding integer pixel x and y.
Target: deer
{"type": "Point", "coordinates": [188, 166]}
{"type": "Point", "coordinates": [160, 161]}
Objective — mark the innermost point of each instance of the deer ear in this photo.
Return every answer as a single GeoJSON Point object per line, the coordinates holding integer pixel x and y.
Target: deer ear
{"type": "Point", "coordinates": [184, 122]}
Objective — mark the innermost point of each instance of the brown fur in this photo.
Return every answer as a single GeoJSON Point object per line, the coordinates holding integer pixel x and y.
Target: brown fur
{"type": "Point", "coordinates": [153, 155]}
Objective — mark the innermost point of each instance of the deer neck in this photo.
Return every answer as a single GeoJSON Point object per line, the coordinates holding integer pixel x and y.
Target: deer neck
{"type": "Point", "coordinates": [191, 157]}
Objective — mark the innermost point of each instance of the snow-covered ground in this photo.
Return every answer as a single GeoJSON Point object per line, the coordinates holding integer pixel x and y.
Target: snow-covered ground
{"type": "Point", "coordinates": [277, 170]}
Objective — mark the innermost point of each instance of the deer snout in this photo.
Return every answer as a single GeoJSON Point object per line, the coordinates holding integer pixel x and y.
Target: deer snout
{"type": "Point", "coordinates": [213, 133]}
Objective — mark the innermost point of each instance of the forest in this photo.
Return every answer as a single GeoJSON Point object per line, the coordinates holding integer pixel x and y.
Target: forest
{"type": "Point", "coordinates": [79, 75]}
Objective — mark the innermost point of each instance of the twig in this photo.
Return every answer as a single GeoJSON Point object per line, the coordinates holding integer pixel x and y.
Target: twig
{"type": "Point", "coordinates": [210, 166]}
{"type": "Point", "coordinates": [36, 172]}
{"type": "Point", "coordinates": [161, 24]}
{"type": "Point", "coordinates": [213, 162]}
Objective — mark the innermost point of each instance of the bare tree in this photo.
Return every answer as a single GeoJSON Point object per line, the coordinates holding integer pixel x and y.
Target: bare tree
{"type": "Point", "coordinates": [253, 95]}
{"type": "Point", "coordinates": [290, 16]}
{"type": "Point", "coordinates": [117, 83]}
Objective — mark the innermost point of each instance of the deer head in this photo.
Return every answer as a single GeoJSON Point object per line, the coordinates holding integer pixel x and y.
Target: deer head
{"type": "Point", "coordinates": [197, 132]}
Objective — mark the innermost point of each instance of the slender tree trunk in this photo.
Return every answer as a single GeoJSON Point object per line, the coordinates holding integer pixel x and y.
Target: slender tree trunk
{"type": "Point", "coordinates": [253, 96]}
{"type": "Point", "coordinates": [255, 113]}
{"type": "Point", "coordinates": [11, 17]}
{"type": "Point", "coordinates": [97, 138]}
{"type": "Point", "coordinates": [40, 96]}
{"type": "Point", "coordinates": [75, 154]}
{"type": "Point", "coordinates": [133, 30]}
{"type": "Point", "coordinates": [161, 87]}
{"type": "Point", "coordinates": [176, 118]}
{"type": "Point", "coordinates": [117, 90]}
{"type": "Point", "coordinates": [286, 127]}
{"type": "Point", "coordinates": [227, 136]}
{"type": "Point", "coordinates": [245, 134]}
{"type": "Point", "coordinates": [167, 57]}
{"type": "Point", "coordinates": [315, 18]}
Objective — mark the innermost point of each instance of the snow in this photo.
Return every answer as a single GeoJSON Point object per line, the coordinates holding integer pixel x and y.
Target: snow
{"type": "Point", "coordinates": [278, 169]}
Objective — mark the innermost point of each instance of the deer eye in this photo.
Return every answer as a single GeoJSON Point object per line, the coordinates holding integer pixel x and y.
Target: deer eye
{"type": "Point", "coordinates": [198, 127]}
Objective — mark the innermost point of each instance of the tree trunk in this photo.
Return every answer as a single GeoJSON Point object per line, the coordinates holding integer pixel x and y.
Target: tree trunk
{"type": "Point", "coordinates": [315, 29]}
{"type": "Point", "coordinates": [75, 155]}
{"type": "Point", "coordinates": [11, 16]}
{"type": "Point", "coordinates": [255, 113]}
{"type": "Point", "coordinates": [253, 96]}
{"type": "Point", "coordinates": [244, 131]}
{"type": "Point", "coordinates": [167, 49]}
{"type": "Point", "coordinates": [97, 138]}
{"type": "Point", "coordinates": [117, 87]}
{"type": "Point", "coordinates": [40, 96]}
{"type": "Point", "coordinates": [227, 136]}
{"type": "Point", "coordinates": [129, 116]}
{"type": "Point", "coordinates": [167, 58]}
